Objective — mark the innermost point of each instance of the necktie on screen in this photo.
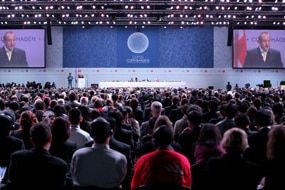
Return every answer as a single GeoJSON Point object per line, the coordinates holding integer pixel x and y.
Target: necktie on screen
{"type": "Point", "coordinates": [9, 55]}
{"type": "Point", "coordinates": [264, 56]}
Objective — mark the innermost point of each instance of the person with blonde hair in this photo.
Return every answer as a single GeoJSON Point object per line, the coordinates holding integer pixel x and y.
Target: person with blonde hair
{"type": "Point", "coordinates": [232, 171]}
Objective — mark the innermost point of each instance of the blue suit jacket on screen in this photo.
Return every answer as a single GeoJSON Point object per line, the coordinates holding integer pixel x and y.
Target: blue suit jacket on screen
{"type": "Point", "coordinates": [254, 59]}
{"type": "Point", "coordinates": [18, 58]}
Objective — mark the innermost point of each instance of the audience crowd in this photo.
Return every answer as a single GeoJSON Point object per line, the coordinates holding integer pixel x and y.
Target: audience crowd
{"type": "Point", "coordinates": [126, 138]}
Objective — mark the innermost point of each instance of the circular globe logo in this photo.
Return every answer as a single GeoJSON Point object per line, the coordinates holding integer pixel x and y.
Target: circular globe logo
{"type": "Point", "coordinates": [138, 42]}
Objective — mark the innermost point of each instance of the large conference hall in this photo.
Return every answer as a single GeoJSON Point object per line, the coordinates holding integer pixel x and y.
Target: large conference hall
{"type": "Point", "coordinates": [142, 94]}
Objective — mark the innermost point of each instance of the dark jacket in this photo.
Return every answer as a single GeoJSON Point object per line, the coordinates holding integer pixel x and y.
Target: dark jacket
{"type": "Point", "coordinates": [255, 59]}
{"type": "Point", "coordinates": [36, 169]}
{"type": "Point", "coordinates": [232, 172]}
{"type": "Point", "coordinates": [18, 58]}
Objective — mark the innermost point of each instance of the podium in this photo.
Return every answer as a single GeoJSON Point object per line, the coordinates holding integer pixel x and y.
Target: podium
{"type": "Point", "coordinates": [81, 83]}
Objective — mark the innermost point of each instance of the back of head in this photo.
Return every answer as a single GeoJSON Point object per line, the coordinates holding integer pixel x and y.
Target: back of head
{"type": "Point", "coordinates": [100, 130]}
{"type": "Point", "coordinates": [14, 105]}
{"type": "Point", "coordinates": [40, 134]}
{"type": "Point", "coordinates": [6, 124]}
{"type": "Point", "coordinates": [74, 115]}
{"type": "Point", "coordinates": [209, 135]}
{"type": "Point", "coordinates": [117, 115]}
{"type": "Point", "coordinates": [162, 136]}
{"type": "Point", "coordinates": [235, 140]}
{"type": "Point", "coordinates": [163, 120]}
{"type": "Point", "coordinates": [72, 96]}
{"type": "Point", "coordinates": [230, 110]}
{"type": "Point", "coordinates": [95, 113]}
{"type": "Point", "coordinates": [60, 129]}
{"type": "Point", "coordinates": [242, 121]}
{"type": "Point", "coordinates": [11, 114]}
{"type": "Point", "coordinates": [263, 118]}
{"type": "Point", "coordinates": [59, 110]}
{"type": "Point", "coordinates": [85, 111]}
{"type": "Point", "coordinates": [156, 107]}
{"type": "Point", "coordinates": [213, 105]}
{"type": "Point", "coordinates": [39, 105]}
{"type": "Point", "coordinates": [195, 117]}
{"type": "Point", "coordinates": [134, 103]}
{"type": "Point", "coordinates": [27, 119]}
{"type": "Point", "coordinates": [175, 100]}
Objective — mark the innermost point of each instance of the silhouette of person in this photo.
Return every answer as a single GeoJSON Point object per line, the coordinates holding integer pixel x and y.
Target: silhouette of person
{"type": "Point", "coordinates": [70, 79]}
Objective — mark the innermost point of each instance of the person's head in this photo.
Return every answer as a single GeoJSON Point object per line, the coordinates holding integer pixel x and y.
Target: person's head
{"type": "Point", "coordinates": [175, 100]}
{"type": "Point", "coordinates": [162, 136]}
{"type": "Point", "coordinates": [75, 116]}
{"type": "Point", "coordinates": [209, 135]}
{"type": "Point", "coordinates": [6, 124]}
{"type": "Point", "coordinates": [41, 135]}
{"type": "Point", "coordinates": [47, 101]}
{"type": "Point", "coordinates": [59, 110]}
{"type": "Point", "coordinates": [94, 114]}
{"type": "Point", "coordinates": [194, 118]}
{"type": "Point", "coordinates": [85, 112]}
{"type": "Point", "coordinates": [9, 40]}
{"type": "Point", "coordinates": [60, 101]}
{"type": "Point", "coordinates": [231, 110]}
{"type": "Point", "coordinates": [242, 121]}
{"type": "Point", "coordinates": [156, 108]}
{"type": "Point", "coordinates": [48, 114]}
{"type": "Point", "coordinates": [39, 105]}
{"type": "Point", "coordinates": [213, 105]}
{"type": "Point", "coordinates": [134, 103]}
{"type": "Point", "coordinates": [264, 40]}
{"type": "Point", "coordinates": [163, 120]}
{"type": "Point", "coordinates": [117, 116]}
{"type": "Point", "coordinates": [101, 130]}
{"type": "Point", "coordinates": [98, 103]}
{"type": "Point", "coordinates": [27, 120]}
{"type": "Point", "coordinates": [235, 140]}
{"type": "Point", "coordinates": [84, 100]}
{"type": "Point", "coordinates": [60, 129]}
{"type": "Point", "coordinates": [276, 143]}
{"type": "Point", "coordinates": [73, 96]}
{"type": "Point", "coordinates": [263, 118]}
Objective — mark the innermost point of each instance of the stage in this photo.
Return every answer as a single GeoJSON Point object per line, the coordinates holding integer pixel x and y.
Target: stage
{"type": "Point", "coordinates": [142, 84]}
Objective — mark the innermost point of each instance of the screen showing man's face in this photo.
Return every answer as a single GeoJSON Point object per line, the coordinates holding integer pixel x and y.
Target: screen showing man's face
{"type": "Point", "coordinates": [265, 41]}
{"type": "Point", "coordinates": [9, 41]}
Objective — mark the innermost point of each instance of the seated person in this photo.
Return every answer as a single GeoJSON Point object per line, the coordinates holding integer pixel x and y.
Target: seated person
{"type": "Point", "coordinates": [164, 165]}
{"type": "Point", "coordinates": [99, 165]}
{"type": "Point", "coordinates": [36, 168]}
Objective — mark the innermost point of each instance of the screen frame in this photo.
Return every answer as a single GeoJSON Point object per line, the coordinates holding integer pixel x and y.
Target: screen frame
{"type": "Point", "coordinates": [38, 60]}
{"type": "Point", "coordinates": [251, 45]}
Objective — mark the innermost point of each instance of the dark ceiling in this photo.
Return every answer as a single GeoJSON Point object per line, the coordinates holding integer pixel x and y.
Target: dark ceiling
{"type": "Point", "coordinates": [143, 12]}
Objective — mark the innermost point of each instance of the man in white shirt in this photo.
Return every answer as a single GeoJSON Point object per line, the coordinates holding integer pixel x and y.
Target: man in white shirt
{"type": "Point", "coordinates": [99, 166]}
{"type": "Point", "coordinates": [78, 135]}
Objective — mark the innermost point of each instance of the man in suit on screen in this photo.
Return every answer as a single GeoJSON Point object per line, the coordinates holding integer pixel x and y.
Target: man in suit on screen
{"type": "Point", "coordinates": [10, 56]}
{"type": "Point", "coordinates": [263, 56]}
